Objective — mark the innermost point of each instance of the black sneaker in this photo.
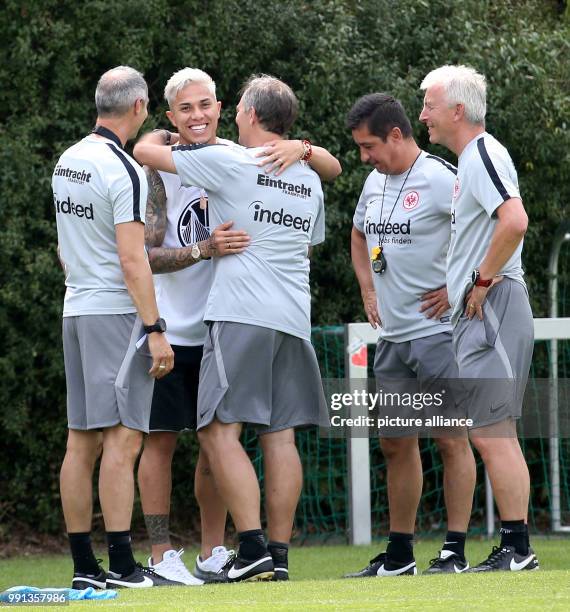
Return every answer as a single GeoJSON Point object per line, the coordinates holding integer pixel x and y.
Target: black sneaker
{"type": "Point", "coordinates": [84, 581]}
{"type": "Point", "coordinates": [280, 573]}
{"type": "Point", "coordinates": [448, 562]}
{"type": "Point", "coordinates": [241, 570]}
{"type": "Point", "coordinates": [506, 559]}
{"type": "Point", "coordinates": [381, 566]}
{"type": "Point", "coordinates": [141, 578]}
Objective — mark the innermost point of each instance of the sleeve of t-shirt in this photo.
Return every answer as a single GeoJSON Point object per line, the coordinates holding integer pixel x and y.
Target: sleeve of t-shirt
{"type": "Point", "coordinates": [318, 234]}
{"type": "Point", "coordinates": [442, 184]}
{"type": "Point", "coordinates": [128, 193]}
{"type": "Point", "coordinates": [495, 180]}
{"type": "Point", "coordinates": [202, 165]}
{"type": "Point", "coordinates": [360, 212]}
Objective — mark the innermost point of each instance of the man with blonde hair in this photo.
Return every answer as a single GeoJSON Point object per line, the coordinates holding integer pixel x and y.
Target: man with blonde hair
{"type": "Point", "coordinates": [259, 366]}
{"type": "Point", "coordinates": [180, 248]}
{"type": "Point", "coordinates": [493, 331]}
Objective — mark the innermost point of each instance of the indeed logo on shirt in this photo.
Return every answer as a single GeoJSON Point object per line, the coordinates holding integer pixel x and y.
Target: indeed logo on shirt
{"type": "Point", "coordinates": [67, 207]}
{"type": "Point", "coordinates": [388, 228]}
{"type": "Point", "coordinates": [300, 191]}
{"type": "Point", "coordinates": [279, 217]}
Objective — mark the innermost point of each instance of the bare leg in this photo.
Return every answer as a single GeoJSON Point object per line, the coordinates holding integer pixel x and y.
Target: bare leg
{"type": "Point", "coordinates": [405, 480]}
{"type": "Point", "coordinates": [507, 470]}
{"type": "Point", "coordinates": [212, 509]}
{"type": "Point", "coordinates": [121, 447]}
{"type": "Point", "coordinates": [233, 472]}
{"type": "Point", "coordinates": [155, 485]}
{"type": "Point", "coordinates": [459, 476]}
{"type": "Point", "coordinates": [76, 479]}
{"type": "Point", "coordinates": [283, 482]}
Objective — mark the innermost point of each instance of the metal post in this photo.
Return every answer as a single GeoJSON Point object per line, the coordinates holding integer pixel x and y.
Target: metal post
{"type": "Point", "coordinates": [563, 235]}
{"type": "Point", "coordinates": [358, 455]}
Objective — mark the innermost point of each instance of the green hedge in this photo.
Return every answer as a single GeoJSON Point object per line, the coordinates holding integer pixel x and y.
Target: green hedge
{"type": "Point", "coordinates": [331, 52]}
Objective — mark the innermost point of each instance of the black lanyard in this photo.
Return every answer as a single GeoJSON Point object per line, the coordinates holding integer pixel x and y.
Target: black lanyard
{"type": "Point", "coordinates": [106, 133]}
{"type": "Point", "coordinates": [381, 234]}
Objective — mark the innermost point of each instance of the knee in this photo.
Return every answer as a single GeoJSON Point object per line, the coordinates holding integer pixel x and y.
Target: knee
{"type": "Point", "coordinates": [453, 447]}
{"type": "Point", "coordinates": [160, 445]}
{"type": "Point", "coordinates": [395, 449]}
{"type": "Point", "coordinates": [84, 449]}
{"type": "Point", "coordinates": [122, 448]}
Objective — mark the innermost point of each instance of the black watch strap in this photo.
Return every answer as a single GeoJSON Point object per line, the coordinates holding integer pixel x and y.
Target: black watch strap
{"type": "Point", "coordinates": [159, 326]}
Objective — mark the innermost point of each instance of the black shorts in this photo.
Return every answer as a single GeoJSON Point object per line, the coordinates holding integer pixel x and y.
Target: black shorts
{"type": "Point", "coordinates": [174, 402]}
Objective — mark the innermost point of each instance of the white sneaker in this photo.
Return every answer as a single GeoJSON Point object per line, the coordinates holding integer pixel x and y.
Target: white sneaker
{"type": "Point", "coordinates": [210, 570]}
{"type": "Point", "coordinates": [172, 567]}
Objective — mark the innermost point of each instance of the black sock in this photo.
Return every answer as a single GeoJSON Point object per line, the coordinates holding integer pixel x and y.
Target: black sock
{"type": "Point", "coordinates": [252, 544]}
{"type": "Point", "coordinates": [400, 547]}
{"type": "Point", "coordinates": [84, 560]}
{"type": "Point", "coordinates": [121, 560]}
{"type": "Point", "coordinates": [515, 533]}
{"type": "Point", "coordinates": [455, 542]}
{"type": "Point", "coordinates": [279, 552]}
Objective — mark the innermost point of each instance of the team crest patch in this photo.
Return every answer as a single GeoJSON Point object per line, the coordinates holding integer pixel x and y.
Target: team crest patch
{"type": "Point", "coordinates": [193, 223]}
{"type": "Point", "coordinates": [411, 200]}
{"type": "Point", "coordinates": [456, 188]}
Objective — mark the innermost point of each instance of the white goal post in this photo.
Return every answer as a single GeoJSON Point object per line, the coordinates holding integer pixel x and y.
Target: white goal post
{"type": "Point", "coordinates": [359, 335]}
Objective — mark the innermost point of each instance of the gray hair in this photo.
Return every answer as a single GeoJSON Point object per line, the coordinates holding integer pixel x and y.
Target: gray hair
{"type": "Point", "coordinates": [462, 85]}
{"type": "Point", "coordinates": [117, 91]}
{"type": "Point", "coordinates": [274, 102]}
{"type": "Point", "coordinates": [181, 79]}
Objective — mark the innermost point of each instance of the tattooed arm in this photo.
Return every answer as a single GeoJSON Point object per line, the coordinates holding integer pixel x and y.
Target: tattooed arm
{"type": "Point", "coordinates": [223, 241]}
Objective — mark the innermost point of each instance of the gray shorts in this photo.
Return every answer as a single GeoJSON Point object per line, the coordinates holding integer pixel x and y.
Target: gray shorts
{"type": "Point", "coordinates": [107, 376]}
{"type": "Point", "coordinates": [419, 368]}
{"type": "Point", "coordinates": [252, 374]}
{"type": "Point", "coordinates": [497, 352]}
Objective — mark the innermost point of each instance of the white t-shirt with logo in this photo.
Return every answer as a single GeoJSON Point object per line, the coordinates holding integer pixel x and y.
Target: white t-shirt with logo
{"type": "Point", "coordinates": [182, 295]}
{"type": "Point", "coordinates": [96, 185]}
{"type": "Point", "coordinates": [415, 235]}
{"type": "Point", "coordinates": [486, 178]}
{"type": "Point", "coordinates": [268, 284]}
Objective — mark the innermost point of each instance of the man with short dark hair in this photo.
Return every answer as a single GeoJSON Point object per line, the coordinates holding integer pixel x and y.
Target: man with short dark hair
{"type": "Point", "coordinates": [493, 333]}
{"type": "Point", "coordinates": [399, 243]}
{"type": "Point", "coordinates": [100, 196]}
{"type": "Point", "coordinates": [259, 366]}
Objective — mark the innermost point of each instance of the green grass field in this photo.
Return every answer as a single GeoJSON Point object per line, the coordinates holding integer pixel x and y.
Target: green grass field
{"type": "Point", "coordinates": [315, 584]}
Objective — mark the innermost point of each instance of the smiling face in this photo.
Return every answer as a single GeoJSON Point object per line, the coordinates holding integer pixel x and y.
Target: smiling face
{"type": "Point", "coordinates": [438, 115]}
{"type": "Point", "coordinates": [195, 113]}
{"type": "Point", "coordinates": [374, 151]}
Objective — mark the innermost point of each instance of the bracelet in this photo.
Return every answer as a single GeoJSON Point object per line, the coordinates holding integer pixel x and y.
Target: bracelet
{"type": "Point", "coordinates": [307, 150]}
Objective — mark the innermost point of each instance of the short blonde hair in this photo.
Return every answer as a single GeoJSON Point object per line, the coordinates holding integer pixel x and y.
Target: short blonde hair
{"type": "Point", "coordinates": [181, 79]}
{"type": "Point", "coordinates": [462, 85]}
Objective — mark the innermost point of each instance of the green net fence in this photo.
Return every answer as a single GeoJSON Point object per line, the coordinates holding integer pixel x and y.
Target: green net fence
{"type": "Point", "coordinates": [322, 513]}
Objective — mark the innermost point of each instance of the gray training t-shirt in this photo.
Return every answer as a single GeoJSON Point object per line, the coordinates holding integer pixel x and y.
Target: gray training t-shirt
{"type": "Point", "coordinates": [415, 240]}
{"type": "Point", "coordinates": [96, 186]}
{"type": "Point", "coordinates": [486, 178]}
{"type": "Point", "coordinates": [267, 284]}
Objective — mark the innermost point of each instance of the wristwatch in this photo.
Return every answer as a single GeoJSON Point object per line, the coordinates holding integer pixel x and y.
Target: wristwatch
{"type": "Point", "coordinates": [159, 326]}
{"type": "Point", "coordinates": [478, 281]}
{"type": "Point", "coordinates": [195, 253]}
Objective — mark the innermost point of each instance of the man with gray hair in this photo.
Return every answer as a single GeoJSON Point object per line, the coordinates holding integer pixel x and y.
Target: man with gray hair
{"type": "Point", "coordinates": [259, 366]}
{"type": "Point", "coordinates": [493, 328]}
{"type": "Point", "coordinates": [111, 356]}
{"type": "Point", "coordinates": [180, 251]}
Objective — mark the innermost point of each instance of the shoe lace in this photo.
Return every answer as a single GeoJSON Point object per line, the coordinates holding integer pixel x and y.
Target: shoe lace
{"type": "Point", "coordinates": [495, 557]}
{"type": "Point", "coordinates": [176, 565]}
{"type": "Point", "coordinates": [232, 556]}
{"type": "Point", "coordinates": [437, 562]}
{"type": "Point", "coordinates": [379, 557]}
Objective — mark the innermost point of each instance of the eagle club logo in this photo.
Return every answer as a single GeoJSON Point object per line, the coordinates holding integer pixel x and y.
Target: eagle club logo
{"type": "Point", "coordinates": [456, 188]}
{"type": "Point", "coordinates": [193, 223]}
{"type": "Point", "coordinates": [411, 200]}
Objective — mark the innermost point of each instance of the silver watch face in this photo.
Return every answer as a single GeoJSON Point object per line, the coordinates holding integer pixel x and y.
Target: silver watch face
{"type": "Point", "coordinates": [195, 251]}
